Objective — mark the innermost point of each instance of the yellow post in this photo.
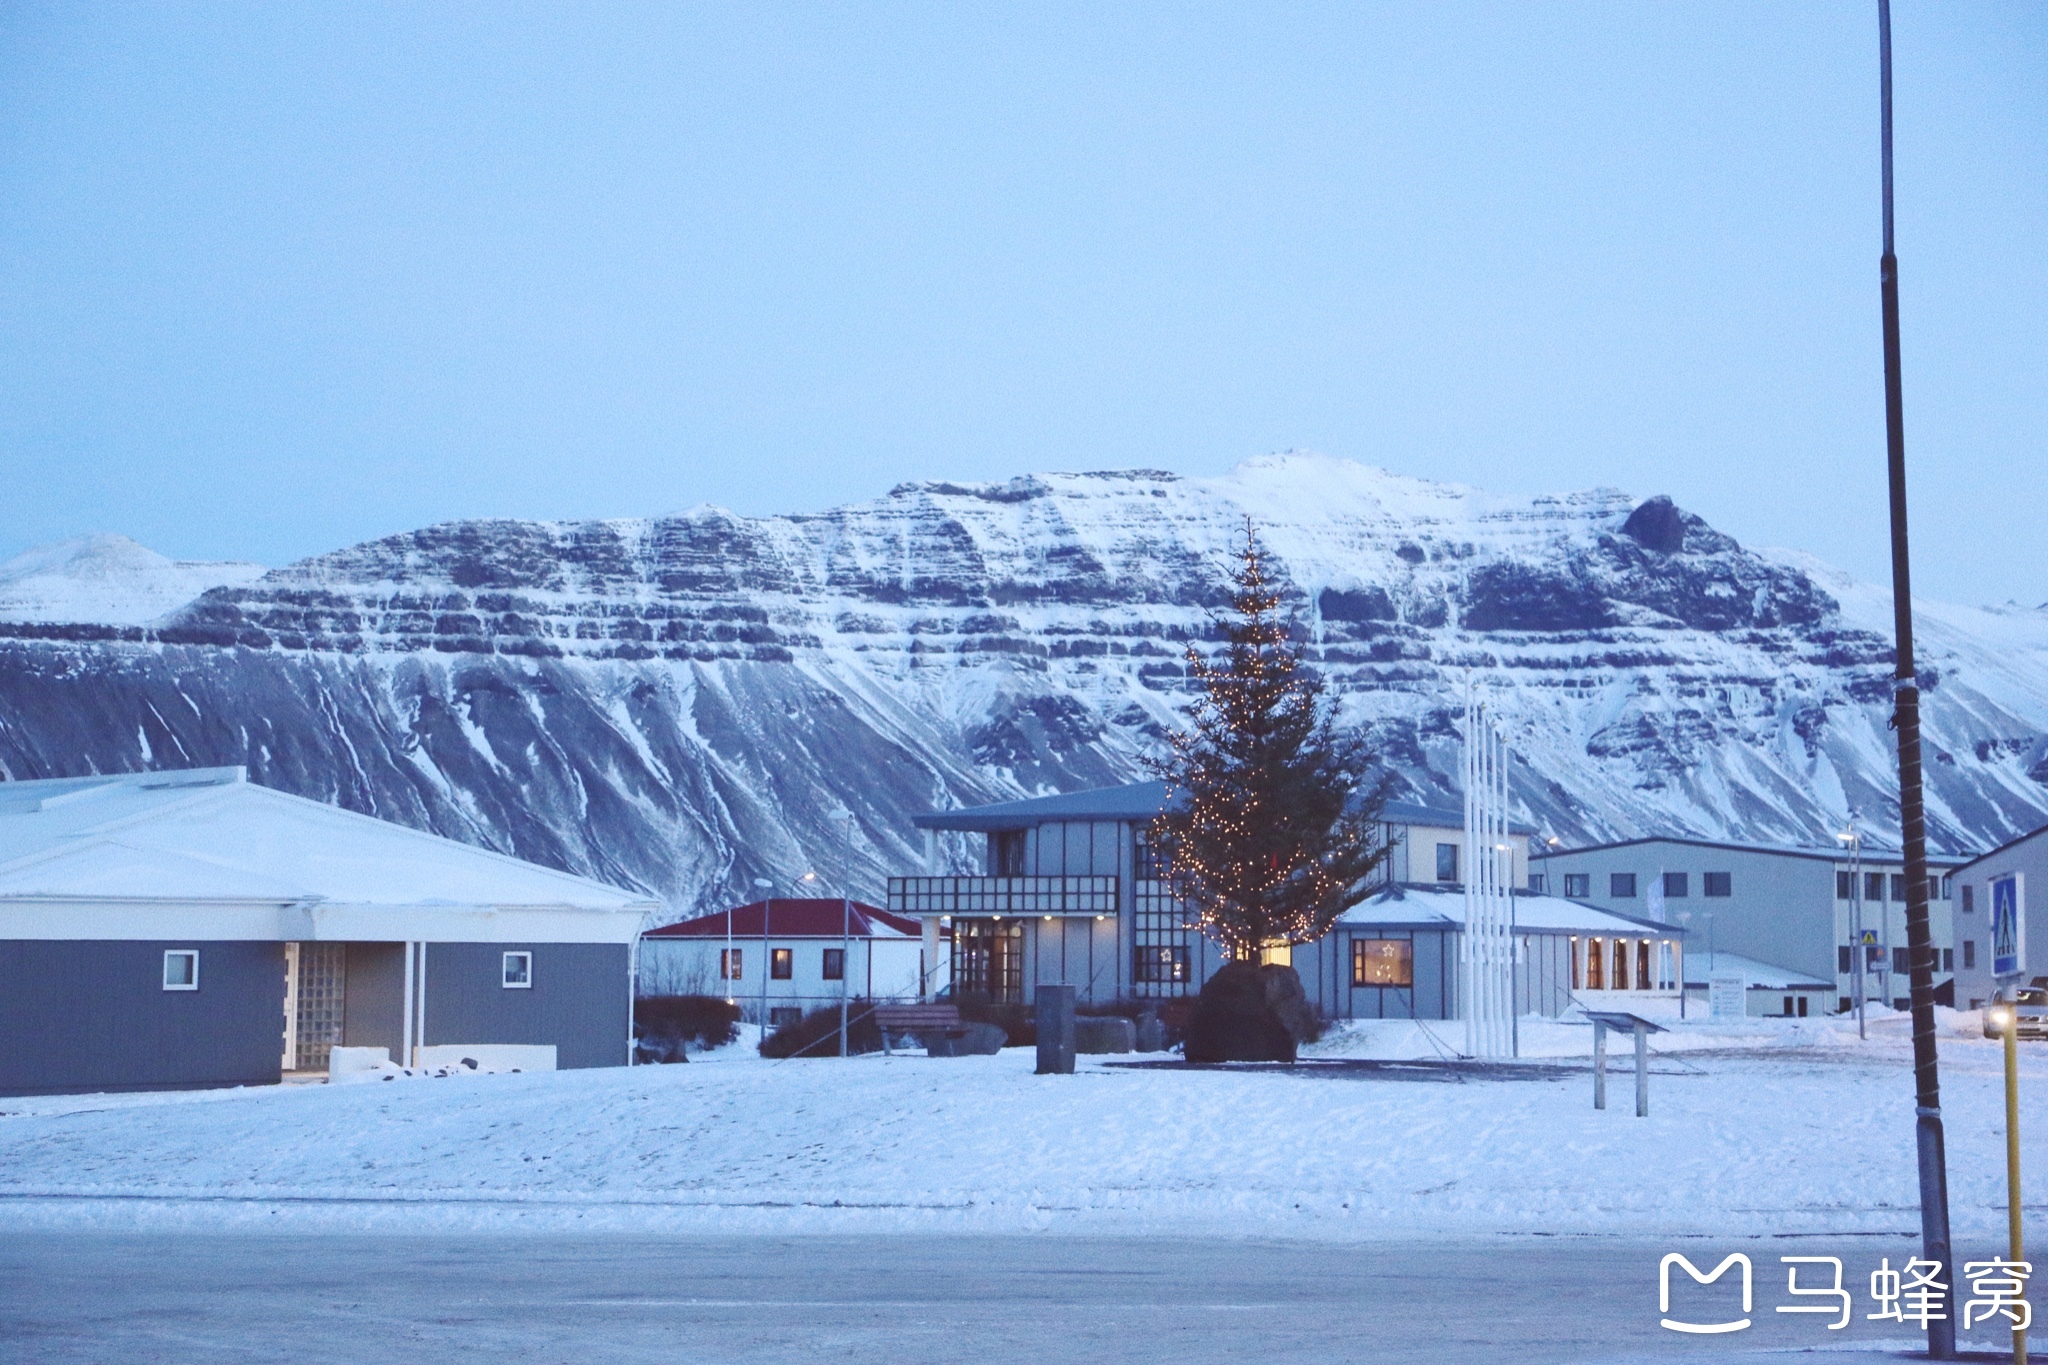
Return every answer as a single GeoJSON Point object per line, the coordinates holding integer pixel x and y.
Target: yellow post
{"type": "Point", "coordinates": [2012, 1158]}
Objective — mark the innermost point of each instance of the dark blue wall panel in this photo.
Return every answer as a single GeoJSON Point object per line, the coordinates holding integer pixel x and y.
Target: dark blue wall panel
{"type": "Point", "coordinates": [79, 1015]}
{"type": "Point", "coordinates": [580, 999]}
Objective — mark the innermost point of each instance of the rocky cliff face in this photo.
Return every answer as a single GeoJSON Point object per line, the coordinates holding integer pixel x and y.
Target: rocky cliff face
{"type": "Point", "coordinates": [686, 703]}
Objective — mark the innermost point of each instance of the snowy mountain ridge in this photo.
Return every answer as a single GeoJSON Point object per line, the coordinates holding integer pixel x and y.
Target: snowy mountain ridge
{"type": "Point", "coordinates": [682, 703]}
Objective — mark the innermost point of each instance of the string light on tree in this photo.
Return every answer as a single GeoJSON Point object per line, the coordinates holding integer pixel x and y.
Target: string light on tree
{"type": "Point", "coordinates": [1270, 829]}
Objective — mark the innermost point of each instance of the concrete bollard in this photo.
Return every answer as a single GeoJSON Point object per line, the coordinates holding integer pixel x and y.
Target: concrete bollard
{"type": "Point", "coordinates": [1055, 1030]}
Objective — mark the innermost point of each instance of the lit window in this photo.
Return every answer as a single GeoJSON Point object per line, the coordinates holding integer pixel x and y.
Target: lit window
{"type": "Point", "coordinates": [518, 971]}
{"type": "Point", "coordinates": [782, 963]}
{"type": "Point", "coordinates": [835, 965]}
{"type": "Point", "coordinates": [1579, 884]}
{"type": "Point", "coordinates": [729, 960]}
{"type": "Point", "coordinates": [1447, 862]}
{"type": "Point", "coordinates": [1596, 970]}
{"type": "Point", "coordinates": [1621, 885]}
{"type": "Point", "coordinates": [1382, 962]}
{"type": "Point", "coordinates": [1160, 964]}
{"type": "Point", "coordinates": [181, 969]}
{"type": "Point", "coordinates": [1714, 884]}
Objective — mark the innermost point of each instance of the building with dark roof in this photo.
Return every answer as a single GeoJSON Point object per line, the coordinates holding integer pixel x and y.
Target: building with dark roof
{"type": "Point", "coordinates": [1070, 892]}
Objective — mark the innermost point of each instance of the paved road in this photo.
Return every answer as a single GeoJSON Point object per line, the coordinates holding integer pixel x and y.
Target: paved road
{"type": "Point", "coordinates": [536, 1300]}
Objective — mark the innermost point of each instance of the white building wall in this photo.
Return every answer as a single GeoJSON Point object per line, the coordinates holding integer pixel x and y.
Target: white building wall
{"type": "Point", "coordinates": [884, 969]}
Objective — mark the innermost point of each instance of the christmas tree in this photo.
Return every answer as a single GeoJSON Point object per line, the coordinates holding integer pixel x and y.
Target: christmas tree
{"type": "Point", "coordinates": [1271, 829]}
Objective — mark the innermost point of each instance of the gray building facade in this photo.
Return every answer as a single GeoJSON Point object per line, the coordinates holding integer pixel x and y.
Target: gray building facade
{"type": "Point", "coordinates": [2018, 870]}
{"type": "Point", "coordinates": [1797, 909]}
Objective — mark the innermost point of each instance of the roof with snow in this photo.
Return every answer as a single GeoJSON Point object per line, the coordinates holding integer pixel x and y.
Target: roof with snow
{"type": "Point", "coordinates": [792, 918]}
{"type": "Point", "coordinates": [1426, 907]}
{"type": "Point", "coordinates": [2008, 844]}
{"type": "Point", "coordinates": [1701, 967]}
{"type": "Point", "coordinates": [1134, 801]}
{"type": "Point", "coordinates": [1874, 856]}
{"type": "Point", "coordinates": [208, 835]}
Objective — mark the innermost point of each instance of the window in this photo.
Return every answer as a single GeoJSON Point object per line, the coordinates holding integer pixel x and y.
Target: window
{"type": "Point", "coordinates": [1899, 963]}
{"type": "Point", "coordinates": [1006, 853]}
{"type": "Point", "coordinates": [1575, 961]}
{"type": "Point", "coordinates": [1948, 887]}
{"type": "Point", "coordinates": [1382, 962]}
{"type": "Point", "coordinates": [1536, 882]}
{"type": "Point", "coordinates": [782, 963]}
{"type": "Point", "coordinates": [518, 971]}
{"type": "Point", "coordinates": [1164, 964]}
{"type": "Point", "coordinates": [1969, 953]}
{"type": "Point", "coordinates": [1788, 1006]}
{"type": "Point", "coordinates": [1802, 1007]}
{"type": "Point", "coordinates": [1898, 888]}
{"type": "Point", "coordinates": [181, 969]}
{"type": "Point", "coordinates": [1873, 957]}
{"type": "Point", "coordinates": [1447, 862]}
{"type": "Point", "coordinates": [1715, 884]}
{"type": "Point", "coordinates": [1596, 970]}
{"type": "Point", "coordinates": [782, 1015]}
{"type": "Point", "coordinates": [1844, 889]}
{"type": "Point", "coordinates": [1873, 886]}
{"type": "Point", "coordinates": [1677, 885]}
{"type": "Point", "coordinates": [1842, 955]}
{"type": "Point", "coordinates": [1621, 964]}
{"type": "Point", "coordinates": [1147, 863]}
{"type": "Point", "coordinates": [1642, 964]}
{"type": "Point", "coordinates": [834, 968]}
{"type": "Point", "coordinates": [1621, 886]}
{"type": "Point", "coordinates": [1578, 884]}
{"type": "Point", "coordinates": [1969, 900]}
{"type": "Point", "coordinates": [729, 963]}
{"type": "Point", "coordinates": [1948, 959]}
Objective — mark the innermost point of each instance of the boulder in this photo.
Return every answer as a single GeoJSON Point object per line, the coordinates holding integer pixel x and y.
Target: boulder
{"type": "Point", "coordinates": [1250, 1013]}
{"type": "Point", "coordinates": [968, 1040]}
{"type": "Point", "coordinates": [1095, 1035]}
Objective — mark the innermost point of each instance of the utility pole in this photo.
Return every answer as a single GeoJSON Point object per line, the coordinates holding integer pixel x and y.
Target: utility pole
{"type": "Point", "coordinates": [844, 818]}
{"type": "Point", "coordinates": [1941, 1335]}
{"type": "Point", "coordinates": [767, 904]}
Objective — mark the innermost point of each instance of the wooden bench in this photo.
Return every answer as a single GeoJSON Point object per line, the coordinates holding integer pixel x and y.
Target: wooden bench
{"type": "Point", "coordinates": [915, 1019]}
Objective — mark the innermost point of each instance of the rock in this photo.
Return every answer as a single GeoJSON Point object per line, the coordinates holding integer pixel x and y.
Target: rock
{"type": "Point", "coordinates": [1150, 1034]}
{"type": "Point", "coordinates": [1096, 1035]}
{"type": "Point", "coordinates": [1249, 1013]}
{"type": "Point", "coordinates": [969, 1040]}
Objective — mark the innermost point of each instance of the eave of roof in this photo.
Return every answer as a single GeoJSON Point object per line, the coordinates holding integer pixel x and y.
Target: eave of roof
{"type": "Point", "coordinates": [2004, 847]}
{"type": "Point", "coordinates": [1947, 862]}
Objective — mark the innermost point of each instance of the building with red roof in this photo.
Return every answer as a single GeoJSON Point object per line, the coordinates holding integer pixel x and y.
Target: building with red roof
{"type": "Point", "coordinates": [779, 957]}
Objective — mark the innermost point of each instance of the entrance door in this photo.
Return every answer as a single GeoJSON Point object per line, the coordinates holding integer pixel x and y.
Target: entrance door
{"type": "Point", "coordinates": [318, 990]}
{"type": "Point", "coordinates": [988, 959]}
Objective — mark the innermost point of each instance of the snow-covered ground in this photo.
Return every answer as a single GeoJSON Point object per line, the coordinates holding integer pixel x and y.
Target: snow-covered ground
{"type": "Point", "coordinates": [1757, 1127]}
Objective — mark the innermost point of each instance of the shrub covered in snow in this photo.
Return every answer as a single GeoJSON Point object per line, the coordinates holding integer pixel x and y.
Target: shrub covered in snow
{"type": "Point", "coordinates": [817, 1033]}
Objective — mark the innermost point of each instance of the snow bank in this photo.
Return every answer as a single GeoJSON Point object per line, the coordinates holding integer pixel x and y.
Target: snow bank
{"type": "Point", "coordinates": [1790, 1131]}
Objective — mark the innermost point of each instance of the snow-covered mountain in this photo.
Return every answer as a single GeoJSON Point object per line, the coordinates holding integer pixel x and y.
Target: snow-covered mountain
{"type": "Point", "coordinates": [684, 703]}
{"type": "Point", "coordinates": [108, 580]}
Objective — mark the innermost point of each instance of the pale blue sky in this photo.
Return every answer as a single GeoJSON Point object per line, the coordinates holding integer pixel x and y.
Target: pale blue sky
{"type": "Point", "coordinates": [278, 278]}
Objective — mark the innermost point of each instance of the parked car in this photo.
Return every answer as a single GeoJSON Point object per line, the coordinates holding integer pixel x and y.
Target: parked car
{"type": "Point", "coordinates": [2028, 1010]}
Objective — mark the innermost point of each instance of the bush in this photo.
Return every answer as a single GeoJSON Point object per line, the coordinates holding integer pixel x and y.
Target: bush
{"type": "Point", "coordinates": [817, 1033]}
{"type": "Point", "coordinates": [665, 1024]}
